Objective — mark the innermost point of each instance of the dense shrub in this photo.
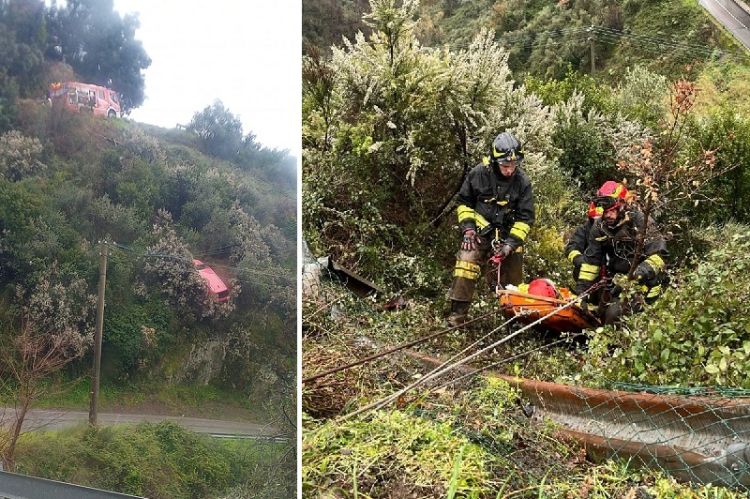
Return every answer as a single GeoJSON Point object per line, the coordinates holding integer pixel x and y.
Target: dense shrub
{"type": "Point", "coordinates": [698, 333]}
{"type": "Point", "coordinates": [162, 461]}
{"type": "Point", "coordinates": [19, 156]}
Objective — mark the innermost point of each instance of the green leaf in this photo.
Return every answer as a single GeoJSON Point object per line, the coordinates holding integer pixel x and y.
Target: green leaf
{"type": "Point", "coordinates": [712, 369]}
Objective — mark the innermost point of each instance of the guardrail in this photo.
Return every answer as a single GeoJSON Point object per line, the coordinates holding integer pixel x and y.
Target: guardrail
{"type": "Point", "coordinates": [16, 486]}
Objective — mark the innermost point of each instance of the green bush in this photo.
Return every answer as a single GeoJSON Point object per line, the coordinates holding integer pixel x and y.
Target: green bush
{"type": "Point", "coordinates": [135, 335]}
{"type": "Point", "coordinates": [155, 460]}
{"type": "Point", "coordinates": [698, 333]}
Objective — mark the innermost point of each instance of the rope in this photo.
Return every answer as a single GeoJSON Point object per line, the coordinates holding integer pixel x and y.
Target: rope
{"type": "Point", "coordinates": [435, 372]}
{"type": "Point", "coordinates": [439, 371]}
{"type": "Point", "coordinates": [506, 360]}
{"type": "Point", "coordinates": [395, 349]}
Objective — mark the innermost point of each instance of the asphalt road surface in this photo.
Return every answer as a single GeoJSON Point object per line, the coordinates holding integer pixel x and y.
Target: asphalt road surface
{"type": "Point", "coordinates": [732, 16]}
{"type": "Point", "coordinates": [52, 419]}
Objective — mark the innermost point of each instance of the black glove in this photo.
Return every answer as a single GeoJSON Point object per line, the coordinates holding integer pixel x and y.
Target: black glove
{"type": "Point", "coordinates": [505, 250]}
{"type": "Point", "coordinates": [583, 304]}
{"type": "Point", "coordinates": [642, 272]}
{"type": "Point", "coordinates": [471, 240]}
{"type": "Point", "coordinates": [577, 261]}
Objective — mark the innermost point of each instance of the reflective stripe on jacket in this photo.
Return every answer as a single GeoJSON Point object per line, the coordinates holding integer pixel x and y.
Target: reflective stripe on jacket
{"type": "Point", "coordinates": [615, 247]}
{"type": "Point", "coordinates": [505, 203]}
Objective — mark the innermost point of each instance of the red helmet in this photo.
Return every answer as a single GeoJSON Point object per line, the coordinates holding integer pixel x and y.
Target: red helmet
{"type": "Point", "coordinates": [609, 196]}
{"type": "Point", "coordinates": [543, 287]}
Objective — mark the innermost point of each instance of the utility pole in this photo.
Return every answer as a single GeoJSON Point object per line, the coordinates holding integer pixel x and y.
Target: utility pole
{"type": "Point", "coordinates": [590, 30]}
{"type": "Point", "coordinates": [98, 333]}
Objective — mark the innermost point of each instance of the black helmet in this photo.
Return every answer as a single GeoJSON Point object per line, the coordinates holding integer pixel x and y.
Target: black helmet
{"type": "Point", "coordinates": [506, 147]}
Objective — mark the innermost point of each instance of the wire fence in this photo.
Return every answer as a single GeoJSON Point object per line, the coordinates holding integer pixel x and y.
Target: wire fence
{"type": "Point", "coordinates": [702, 437]}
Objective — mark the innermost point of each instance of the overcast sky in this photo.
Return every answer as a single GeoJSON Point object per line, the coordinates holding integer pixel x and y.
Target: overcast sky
{"type": "Point", "coordinates": [245, 53]}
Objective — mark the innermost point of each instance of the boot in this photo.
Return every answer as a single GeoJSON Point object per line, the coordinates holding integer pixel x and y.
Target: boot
{"type": "Point", "coordinates": [459, 313]}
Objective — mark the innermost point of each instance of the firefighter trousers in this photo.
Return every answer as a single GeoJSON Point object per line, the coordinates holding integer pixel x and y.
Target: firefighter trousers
{"type": "Point", "coordinates": [468, 270]}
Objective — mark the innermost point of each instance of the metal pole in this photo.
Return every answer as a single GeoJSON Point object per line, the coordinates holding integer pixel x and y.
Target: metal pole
{"type": "Point", "coordinates": [98, 334]}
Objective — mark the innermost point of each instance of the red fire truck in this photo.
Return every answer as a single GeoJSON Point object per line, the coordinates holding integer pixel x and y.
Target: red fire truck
{"type": "Point", "coordinates": [84, 97]}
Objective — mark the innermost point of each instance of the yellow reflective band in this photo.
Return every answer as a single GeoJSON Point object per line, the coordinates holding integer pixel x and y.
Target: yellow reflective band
{"type": "Point", "coordinates": [603, 238]}
{"type": "Point", "coordinates": [588, 272]}
{"type": "Point", "coordinates": [464, 213]}
{"type": "Point", "coordinates": [573, 254]}
{"type": "Point", "coordinates": [502, 203]}
{"type": "Point", "coordinates": [656, 262]}
{"type": "Point", "coordinates": [468, 266]}
{"type": "Point", "coordinates": [486, 161]}
{"type": "Point", "coordinates": [480, 221]}
{"type": "Point", "coordinates": [654, 292]}
{"type": "Point", "coordinates": [520, 230]}
{"type": "Point", "coordinates": [466, 275]}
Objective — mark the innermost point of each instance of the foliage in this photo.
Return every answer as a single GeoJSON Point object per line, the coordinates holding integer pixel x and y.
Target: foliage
{"type": "Point", "coordinates": [395, 447]}
{"type": "Point", "coordinates": [19, 156]}
{"type": "Point", "coordinates": [698, 333]}
{"type": "Point", "coordinates": [137, 336]}
{"type": "Point", "coordinates": [728, 134]}
{"type": "Point", "coordinates": [388, 129]}
{"type": "Point", "coordinates": [555, 91]}
{"type": "Point", "coordinates": [642, 96]}
{"type": "Point", "coordinates": [60, 307]}
{"type": "Point", "coordinates": [325, 22]}
{"type": "Point", "coordinates": [219, 131]}
{"type": "Point", "coordinates": [593, 142]}
{"type": "Point", "coordinates": [23, 36]}
{"type": "Point", "coordinates": [156, 460]}
{"type": "Point", "coordinates": [546, 38]}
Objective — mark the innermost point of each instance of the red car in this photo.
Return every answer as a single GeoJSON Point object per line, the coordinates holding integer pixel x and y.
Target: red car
{"type": "Point", "coordinates": [216, 286]}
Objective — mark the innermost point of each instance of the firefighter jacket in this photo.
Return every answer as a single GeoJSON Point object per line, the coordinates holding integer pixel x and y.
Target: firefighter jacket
{"type": "Point", "coordinates": [579, 240]}
{"type": "Point", "coordinates": [488, 200]}
{"type": "Point", "coordinates": [614, 247]}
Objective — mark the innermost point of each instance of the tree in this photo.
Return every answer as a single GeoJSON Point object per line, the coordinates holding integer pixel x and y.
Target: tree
{"type": "Point", "coordinates": [101, 46]}
{"type": "Point", "coordinates": [58, 329]}
{"type": "Point", "coordinates": [22, 41]}
{"type": "Point", "coordinates": [29, 359]}
{"type": "Point", "coordinates": [220, 132]}
{"type": "Point", "coordinates": [666, 172]}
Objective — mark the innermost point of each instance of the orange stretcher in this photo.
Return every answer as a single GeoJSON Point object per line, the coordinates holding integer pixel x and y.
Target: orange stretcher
{"type": "Point", "coordinates": [528, 308]}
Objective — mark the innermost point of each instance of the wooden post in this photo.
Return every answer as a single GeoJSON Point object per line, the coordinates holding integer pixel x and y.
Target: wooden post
{"type": "Point", "coordinates": [98, 333]}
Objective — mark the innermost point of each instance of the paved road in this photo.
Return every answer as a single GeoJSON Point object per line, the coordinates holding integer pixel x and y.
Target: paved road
{"type": "Point", "coordinates": [50, 419]}
{"type": "Point", "coordinates": [732, 16]}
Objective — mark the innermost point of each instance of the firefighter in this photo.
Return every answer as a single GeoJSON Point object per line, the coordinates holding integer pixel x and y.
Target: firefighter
{"type": "Point", "coordinates": [611, 244]}
{"type": "Point", "coordinates": [495, 213]}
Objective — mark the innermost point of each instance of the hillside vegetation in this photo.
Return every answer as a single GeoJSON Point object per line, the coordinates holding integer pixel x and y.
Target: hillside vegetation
{"type": "Point", "coordinates": [391, 122]}
{"type": "Point", "coordinates": [73, 185]}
